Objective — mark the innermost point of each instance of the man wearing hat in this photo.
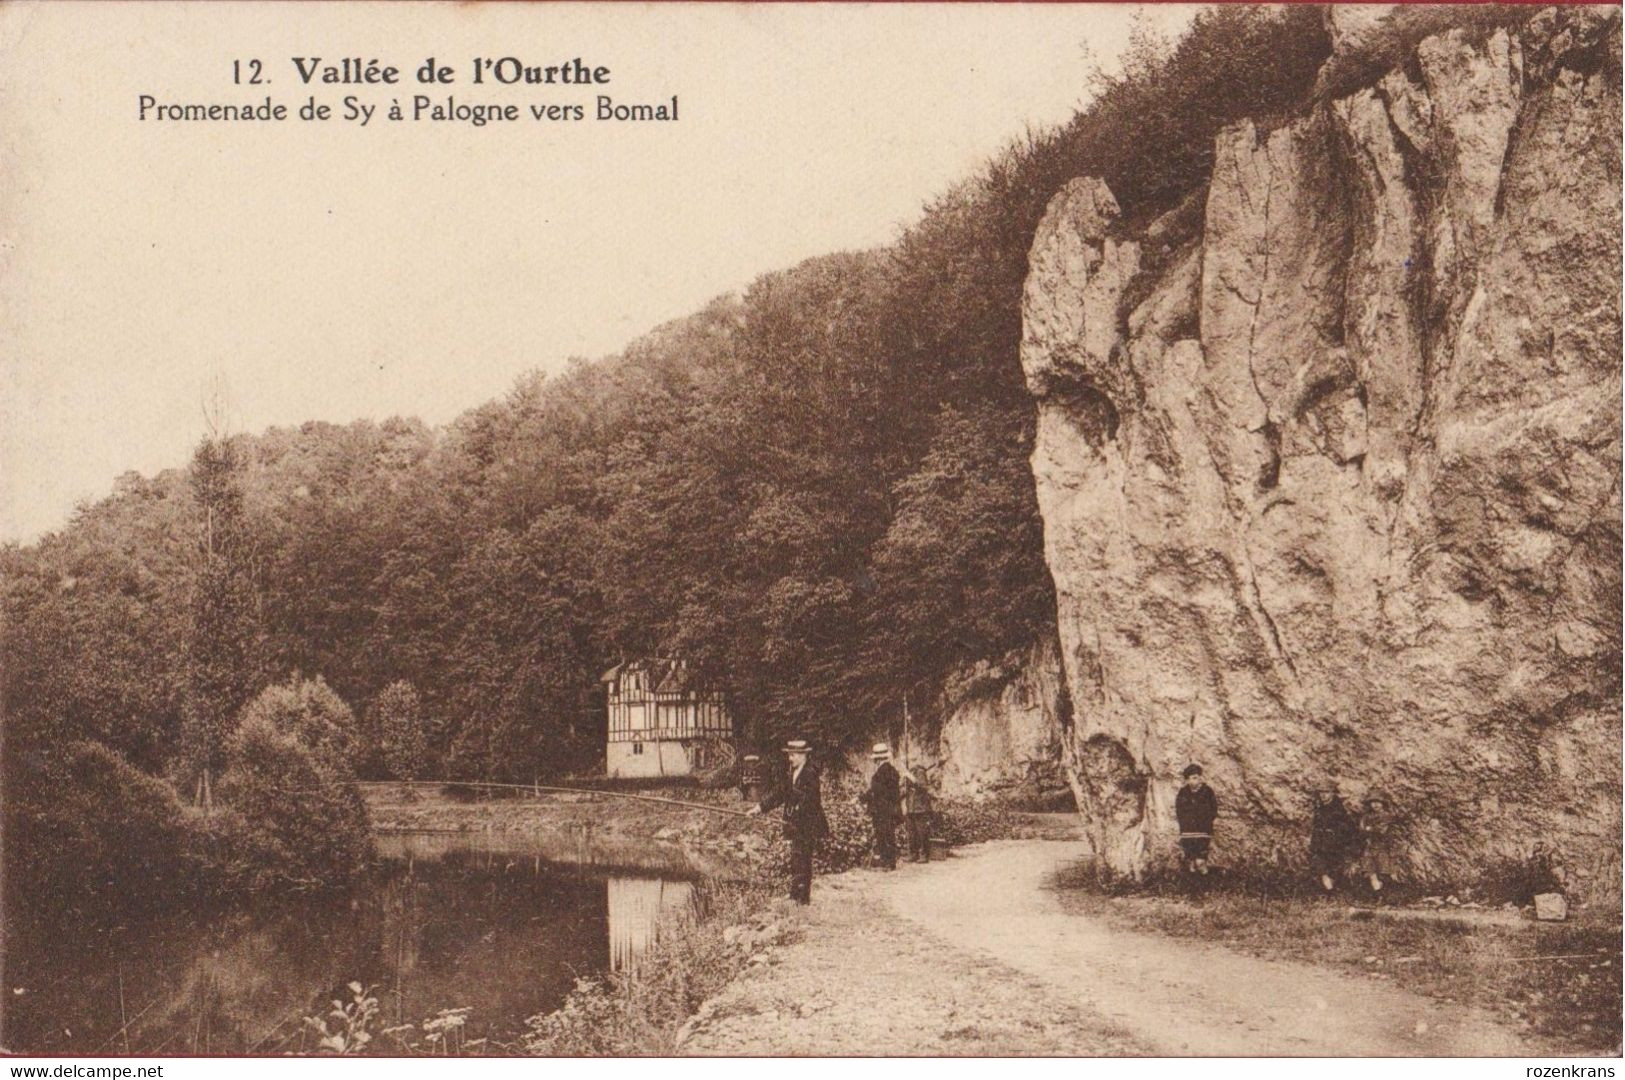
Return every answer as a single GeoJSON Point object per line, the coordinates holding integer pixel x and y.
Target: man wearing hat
{"type": "Point", "coordinates": [883, 802]}
{"type": "Point", "coordinates": [804, 821]}
{"type": "Point", "coordinates": [1195, 807]}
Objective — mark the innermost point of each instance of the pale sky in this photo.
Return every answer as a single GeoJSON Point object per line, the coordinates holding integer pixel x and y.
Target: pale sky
{"type": "Point", "coordinates": [328, 271]}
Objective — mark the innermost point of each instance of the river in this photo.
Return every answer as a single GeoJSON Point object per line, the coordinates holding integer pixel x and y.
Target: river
{"type": "Point", "coordinates": [498, 924]}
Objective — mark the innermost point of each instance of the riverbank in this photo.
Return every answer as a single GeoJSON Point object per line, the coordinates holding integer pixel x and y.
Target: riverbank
{"type": "Point", "coordinates": [716, 826]}
{"type": "Point", "coordinates": [701, 973]}
{"type": "Point", "coordinates": [642, 1010]}
{"type": "Point", "coordinates": [399, 807]}
{"type": "Point", "coordinates": [602, 816]}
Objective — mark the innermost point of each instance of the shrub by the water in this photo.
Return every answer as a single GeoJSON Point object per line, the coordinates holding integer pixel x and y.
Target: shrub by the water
{"type": "Point", "coordinates": [288, 782]}
{"type": "Point", "coordinates": [642, 1010]}
{"type": "Point", "coordinates": [86, 830]}
{"type": "Point", "coordinates": [89, 836]}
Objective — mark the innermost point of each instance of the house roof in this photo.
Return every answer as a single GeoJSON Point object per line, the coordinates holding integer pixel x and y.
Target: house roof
{"type": "Point", "coordinates": [665, 675]}
{"type": "Point", "coordinates": [676, 679]}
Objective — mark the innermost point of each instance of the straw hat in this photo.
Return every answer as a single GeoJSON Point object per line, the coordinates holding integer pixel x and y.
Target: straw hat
{"type": "Point", "coordinates": [797, 746]}
{"type": "Point", "coordinates": [880, 752]}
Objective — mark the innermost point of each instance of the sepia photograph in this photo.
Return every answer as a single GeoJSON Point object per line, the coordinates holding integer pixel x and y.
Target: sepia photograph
{"type": "Point", "coordinates": [731, 530]}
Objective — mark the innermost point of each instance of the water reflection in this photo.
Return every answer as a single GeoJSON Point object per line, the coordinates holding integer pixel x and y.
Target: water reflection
{"type": "Point", "coordinates": [498, 924]}
{"type": "Point", "coordinates": [636, 906]}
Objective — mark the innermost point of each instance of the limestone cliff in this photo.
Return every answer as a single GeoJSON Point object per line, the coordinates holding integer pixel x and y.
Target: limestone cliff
{"type": "Point", "coordinates": [996, 732]}
{"type": "Point", "coordinates": [1330, 481]}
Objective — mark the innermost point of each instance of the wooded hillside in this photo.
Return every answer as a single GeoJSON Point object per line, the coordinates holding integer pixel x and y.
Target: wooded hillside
{"type": "Point", "coordinates": [817, 492]}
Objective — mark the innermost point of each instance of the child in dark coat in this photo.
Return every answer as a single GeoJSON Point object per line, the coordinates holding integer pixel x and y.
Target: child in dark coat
{"type": "Point", "coordinates": [1334, 839]}
{"type": "Point", "coordinates": [1195, 807]}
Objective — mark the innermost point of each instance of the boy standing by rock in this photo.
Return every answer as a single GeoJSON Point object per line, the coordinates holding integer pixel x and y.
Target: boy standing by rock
{"type": "Point", "coordinates": [1334, 839]}
{"type": "Point", "coordinates": [1195, 807]}
{"type": "Point", "coordinates": [1377, 828]}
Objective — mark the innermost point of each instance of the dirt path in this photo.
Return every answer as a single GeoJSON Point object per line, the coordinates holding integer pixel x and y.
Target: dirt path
{"type": "Point", "coordinates": [857, 980]}
{"type": "Point", "coordinates": [976, 956]}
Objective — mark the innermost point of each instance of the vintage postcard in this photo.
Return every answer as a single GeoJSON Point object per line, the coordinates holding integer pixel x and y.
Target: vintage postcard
{"type": "Point", "coordinates": [800, 530]}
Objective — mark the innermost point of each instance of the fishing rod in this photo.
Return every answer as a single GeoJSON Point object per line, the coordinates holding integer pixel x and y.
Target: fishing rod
{"type": "Point", "coordinates": [571, 790]}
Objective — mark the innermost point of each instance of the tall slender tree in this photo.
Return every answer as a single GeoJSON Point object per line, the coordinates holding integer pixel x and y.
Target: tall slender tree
{"type": "Point", "coordinates": [223, 640]}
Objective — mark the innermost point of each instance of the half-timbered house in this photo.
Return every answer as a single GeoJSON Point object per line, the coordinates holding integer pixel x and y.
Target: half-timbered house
{"type": "Point", "coordinates": [662, 720]}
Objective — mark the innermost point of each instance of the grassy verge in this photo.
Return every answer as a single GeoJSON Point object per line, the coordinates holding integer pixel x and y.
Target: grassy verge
{"type": "Point", "coordinates": [641, 1012]}
{"type": "Point", "coordinates": [1555, 980]}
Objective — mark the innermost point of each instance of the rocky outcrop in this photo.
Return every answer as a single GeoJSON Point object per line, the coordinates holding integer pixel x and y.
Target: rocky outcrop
{"type": "Point", "coordinates": [1331, 490]}
{"type": "Point", "coordinates": [996, 732]}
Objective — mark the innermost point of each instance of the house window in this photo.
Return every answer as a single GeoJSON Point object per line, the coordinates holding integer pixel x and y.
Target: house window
{"type": "Point", "coordinates": [637, 748]}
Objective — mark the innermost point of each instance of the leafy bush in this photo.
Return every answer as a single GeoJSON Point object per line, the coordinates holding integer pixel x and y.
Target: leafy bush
{"type": "Point", "coordinates": [288, 781]}
{"type": "Point", "coordinates": [308, 711]}
{"type": "Point", "coordinates": [352, 1023]}
{"type": "Point", "coordinates": [236, 859]}
{"type": "Point", "coordinates": [85, 831]}
{"type": "Point", "coordinates": [88, 836]}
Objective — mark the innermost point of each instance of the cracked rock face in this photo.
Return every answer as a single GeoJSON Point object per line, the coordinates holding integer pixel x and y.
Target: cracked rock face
{"type": "Point", "coordinates": [999, 733]}
{"type": "Point", "coordinates": [1338, 501]}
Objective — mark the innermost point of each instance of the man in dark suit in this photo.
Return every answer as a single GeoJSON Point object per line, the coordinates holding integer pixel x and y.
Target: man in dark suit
{"type": "Point", "coordinates": [881, 800]}
{"type": "Point", "coordinates": [804, 822]}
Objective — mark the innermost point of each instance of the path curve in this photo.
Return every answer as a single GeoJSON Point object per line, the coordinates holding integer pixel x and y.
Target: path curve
{"type": "Point", "coordinates": [1175, 996]}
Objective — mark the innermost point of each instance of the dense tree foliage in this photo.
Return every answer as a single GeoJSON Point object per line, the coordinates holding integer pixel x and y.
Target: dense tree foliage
{"type": "Point", "coordinates": [816, 492]}
{"type": "Point", "coordinates": [307, 711]}
{"type": "Point", "coordinates": [88, 834]}
{"type": "Point", "coordinates": [398, 722]}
